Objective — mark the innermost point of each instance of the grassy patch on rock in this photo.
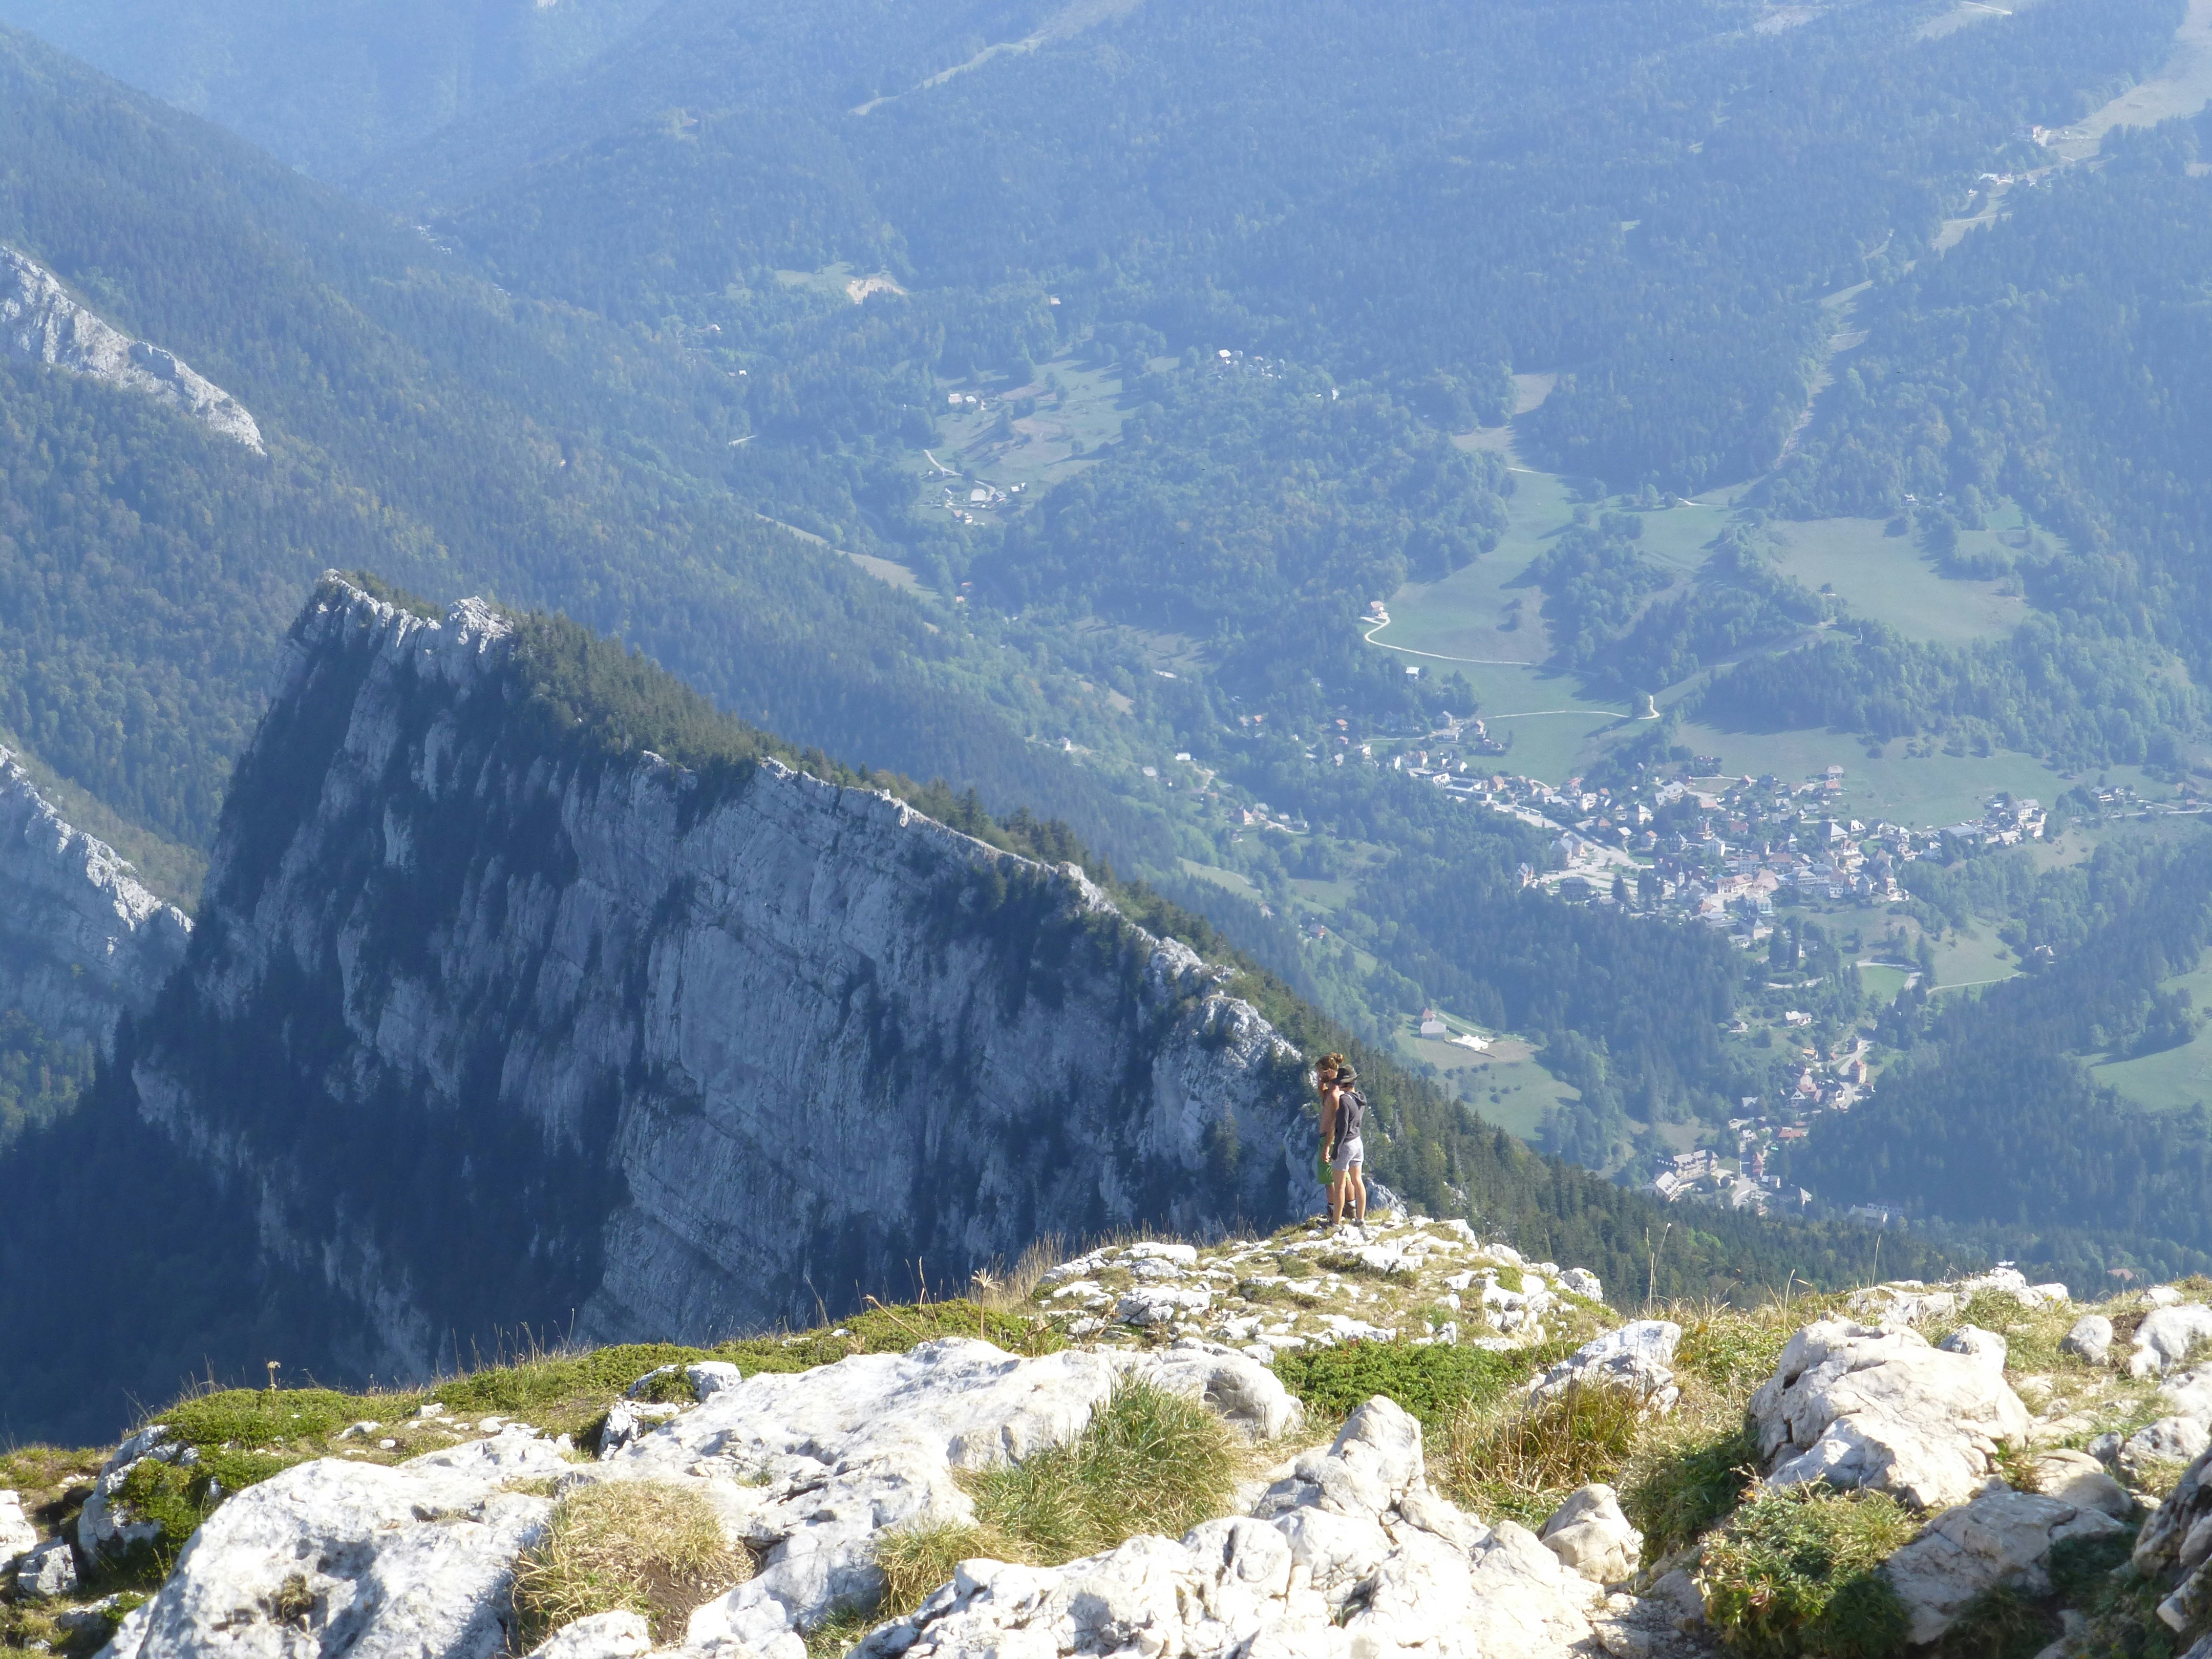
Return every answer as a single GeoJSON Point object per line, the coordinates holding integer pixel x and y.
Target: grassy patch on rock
{"type": "Point", "coordinates": [1148, 1461]}
{"type": "Point", "coordinates": [646, 1545]}
{"type": "Point", "coordinates": [1792, 1573]}
{"type": "Point", "coordinates": [243, 1436]}
{"type": "Point", "coordinates": [1432, 1383]}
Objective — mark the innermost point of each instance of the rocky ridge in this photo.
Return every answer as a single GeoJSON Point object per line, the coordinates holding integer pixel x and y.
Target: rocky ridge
{"type": "Point", "coordinates": [1341, 1542]}
{"type": "Point", "coordinates": [696, 1051]}
{"type": "Point", "coordinates": [1413, 1279]}
{"type": "Point", "coordinates": [41, 323]}
{"type": "Point", "coordinates": [80, 941]}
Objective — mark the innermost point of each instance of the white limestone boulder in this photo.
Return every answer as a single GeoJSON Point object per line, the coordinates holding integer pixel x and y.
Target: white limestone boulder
{"type": "Point", "coordinates": [618, 1635]}
{"type": "Point", "coordinates": [1162, 1304]}
{"type": "Point", "coordinates": [107, 1525]}
{"type": "Point", "coordinates": [2000, 1538]}
{"type": "Point", "coordinates": [1859, 1407]}
{"type": "Point", "coordinates": [709, 1377]}
{"type": "Point", "coordinates": [2166, 1336]}
{"type": "Point", "coordinates": [334, 1558]}
{"type": "Point", "coordinates": [18, 1537]}
{"type": "Point", "coordinates": [1976, 1343]}
{"type": "Point", "coordinates": [47, 1570]}
{"type": "Point", "coordinates": [2168, 1440]}
{"type": "Point", "coordinates": [2090, 1339]}
{"type": "Point", "coordinates": [1637, 1357]}
{"type": "Point", "coordinates": [2076, 1478]}
{"type": "Point", "coordinates": [1590, 1534]}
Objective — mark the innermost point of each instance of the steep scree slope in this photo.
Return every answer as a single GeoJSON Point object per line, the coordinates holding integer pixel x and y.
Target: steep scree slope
{"type": "Point", "coordinates": [483, 1025]}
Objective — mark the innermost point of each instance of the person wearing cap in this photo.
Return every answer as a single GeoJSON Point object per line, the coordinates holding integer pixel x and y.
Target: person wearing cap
{"type": "Point", "coordinates": [1343, 1115]}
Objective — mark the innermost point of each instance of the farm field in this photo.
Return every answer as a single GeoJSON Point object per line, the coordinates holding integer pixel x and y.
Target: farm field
{"type": "Point", "coordinates": [1486, 622]}
{"type": "Point", "coordinates": [1963, 961]}
{"type": "Point", "coordinates": [1887, 579]}
{"type": "Point", "coordinates": [1049, 446]}
{"type": "Point", "coordinates": [1505, 1087]}
{"type": "Point", "coordinates": [2176, 1079]}
{"type": "Point", "coordinates": [1915, 790]}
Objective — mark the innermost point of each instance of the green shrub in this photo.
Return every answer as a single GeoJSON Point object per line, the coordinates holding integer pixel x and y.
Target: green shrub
{"type": "Point", "coordinates": [1998, 1624]}
{"type": "Point", "coordinates": [1431, 1382]}
{"type": "Point", "coordinates": [1678, 1486]}
{"type": "Point", "coordinates": [1794, 1573]}
{"type": "Point", "coordinates": [2082, 1569]}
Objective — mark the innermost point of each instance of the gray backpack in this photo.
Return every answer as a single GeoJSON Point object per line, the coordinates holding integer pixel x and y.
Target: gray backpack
{"type": "Point", "coordinates": [1350, 1113]}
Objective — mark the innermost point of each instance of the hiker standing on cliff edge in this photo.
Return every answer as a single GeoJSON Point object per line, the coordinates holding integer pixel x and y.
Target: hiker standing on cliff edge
{"type": "Point", "coordinates": [1343, 1114]}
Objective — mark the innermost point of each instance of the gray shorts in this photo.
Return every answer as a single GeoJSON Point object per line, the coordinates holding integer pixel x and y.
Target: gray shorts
{"type": "Point", "coordinates": [1348, 1152]}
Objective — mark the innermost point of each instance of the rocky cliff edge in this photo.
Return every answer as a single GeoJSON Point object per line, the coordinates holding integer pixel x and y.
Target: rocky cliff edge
{"type": "Point", "coordinates": [1994, 1474]}
{"type": "Point", "coordinates": [490, 1027]}
{"type": "Point", "coordinates": [80, 941]}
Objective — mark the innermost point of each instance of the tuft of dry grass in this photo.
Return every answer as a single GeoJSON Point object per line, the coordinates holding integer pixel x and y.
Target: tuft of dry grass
{"type": "Point", "coordinates": [1520, 1457]}
{"type": "Point", "coordinates": [1148, 1461]}
{"type": "Point", "coordinates": [647, 1545]}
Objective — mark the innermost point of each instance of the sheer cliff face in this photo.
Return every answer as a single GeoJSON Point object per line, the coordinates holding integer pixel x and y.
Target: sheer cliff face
{"type": "Point", "coordinates": [81, 941]}
{"type": "Point", "coordinates": [486, 1029]}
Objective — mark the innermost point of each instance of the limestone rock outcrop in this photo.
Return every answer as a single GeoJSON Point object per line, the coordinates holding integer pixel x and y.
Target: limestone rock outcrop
{"type": "Point", "coordinates": [1354, 1555]}
{"type": "Point", "coordinates": [2166, 1336]}
{"type": "Point", "coordinates": [41, 323]}
{"type": "Point", "coordinates": [695, 1051]}
{"type": "Point", "coordinates": [18, 1537]}
{"type": "Point", "coordinates": [2002, 1538]}
{"type": "Point", "coordinates": [332, 1558]}
{"type": "Point", "coordinates": [80, 939]}
{"type": "Point", "coordinates": [1590, 1534]}
{"type": "Point", "coordinates": [811, 1467]}
{"type": "Point", "coordinates": [1877, 1407]}
{"type": "Point", "coordinates": [1636, 1356]}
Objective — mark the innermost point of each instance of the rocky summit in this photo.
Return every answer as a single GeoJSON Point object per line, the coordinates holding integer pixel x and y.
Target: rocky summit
{"type": "Point", "coordinates": [1903, 1468]}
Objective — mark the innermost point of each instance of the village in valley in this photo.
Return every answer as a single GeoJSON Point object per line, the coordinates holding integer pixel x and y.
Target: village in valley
{"type": "Point", "coordinates": [1682, 843]}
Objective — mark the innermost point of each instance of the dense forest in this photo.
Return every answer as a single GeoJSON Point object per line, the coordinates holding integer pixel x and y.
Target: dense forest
{"type": "Point", "coordinates": [1990, 1119]}
{"type": "Point", "coordinates": [471, 441]}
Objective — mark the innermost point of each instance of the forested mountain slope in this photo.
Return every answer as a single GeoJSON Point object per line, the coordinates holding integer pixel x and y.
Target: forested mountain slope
{"type": "Point", "coordinates": [415, 417]}
{"type": "Point", "coordinates": [1437, 203]}
{"type": "Point", "coordinates": [326, 87]}
{"type": "Point", "coordinates": [2061, 356]}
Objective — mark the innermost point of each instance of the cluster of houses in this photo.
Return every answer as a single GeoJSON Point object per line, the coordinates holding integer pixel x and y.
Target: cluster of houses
{"type": "Point", "coordinates": [1702, 1177]}
{"type": "Point", "coordinates": [964, 503]}
{"type": "Point", "coordinates": [1743, 1182]}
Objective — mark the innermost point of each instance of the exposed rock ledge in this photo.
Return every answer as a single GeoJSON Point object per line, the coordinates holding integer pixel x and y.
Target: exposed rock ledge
{"type": "Point", "coordinates": [80, 941]}
{"type": "Point", "coordinates": [41, 323]}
